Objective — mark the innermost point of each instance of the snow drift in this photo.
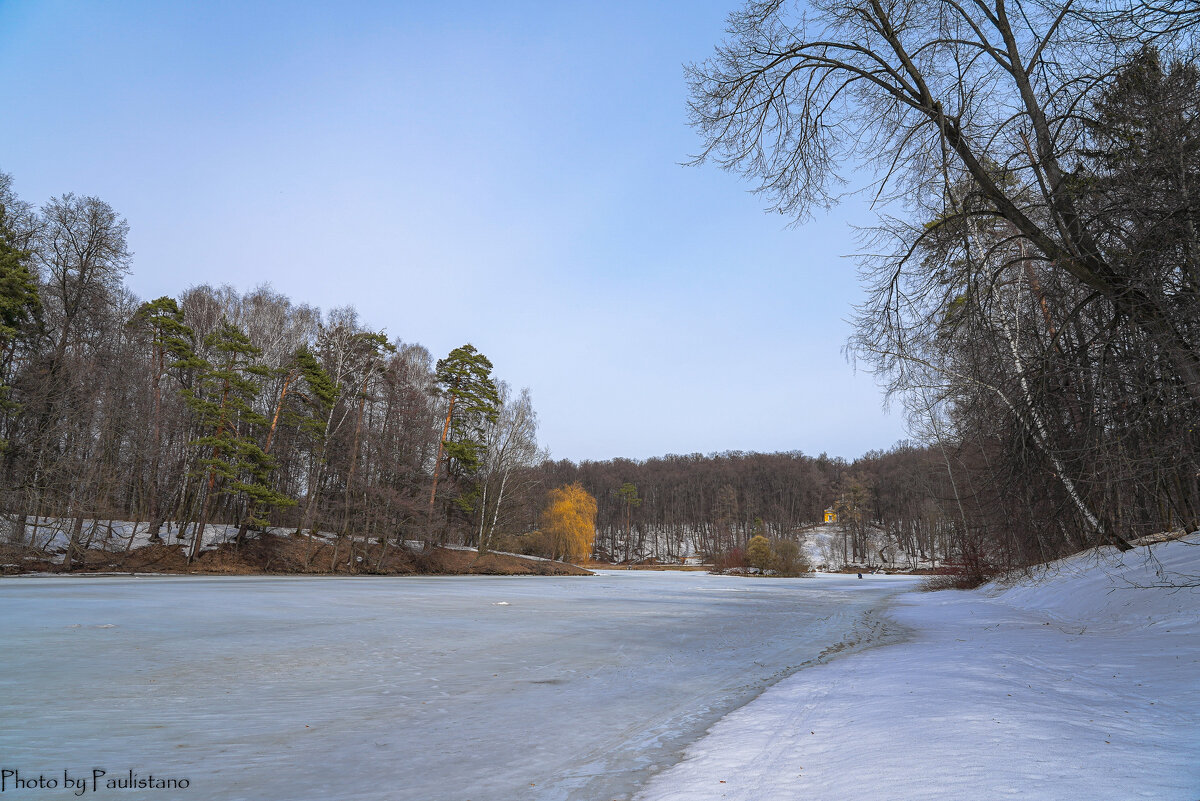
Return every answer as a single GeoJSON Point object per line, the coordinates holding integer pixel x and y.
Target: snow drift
{"type": "Point", "coordinates": [1078, 681]}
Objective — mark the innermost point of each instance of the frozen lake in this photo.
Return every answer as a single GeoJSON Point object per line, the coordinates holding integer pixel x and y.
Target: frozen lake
{"type": "Point", "coordinates": [465, 688]}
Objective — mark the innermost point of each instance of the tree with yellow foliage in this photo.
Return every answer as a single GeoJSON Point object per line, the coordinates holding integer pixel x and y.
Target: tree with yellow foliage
{"type": "Point", "coordinates": [569, 522]}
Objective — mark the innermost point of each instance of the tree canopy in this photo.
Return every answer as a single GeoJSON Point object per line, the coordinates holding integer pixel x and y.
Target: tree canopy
{"type": "Point", "coordinates": [569, 521]}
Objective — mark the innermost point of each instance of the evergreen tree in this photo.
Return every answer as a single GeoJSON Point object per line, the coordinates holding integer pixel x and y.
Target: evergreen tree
{"type": "Point", "coordinates": [1141, 181]}
{"type": "Point", "coordinates": [223, 403]}
{"type": "Point", "coordinates": [19, 302]}
{"type": "Point", "coordinates": [464, 378]}
{"type": "Point", "coordinates": [20, 306]}
{"type": "Point", "coordinates": [319, 398]}
{"type": "Point", "coordinates": [628, 493]}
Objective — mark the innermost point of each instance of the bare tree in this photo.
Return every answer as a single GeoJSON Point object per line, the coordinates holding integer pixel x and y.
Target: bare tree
{"type": "Point", "coordinates": [925, 92]}
{"type": "Point", "coordinates": [509, 449]}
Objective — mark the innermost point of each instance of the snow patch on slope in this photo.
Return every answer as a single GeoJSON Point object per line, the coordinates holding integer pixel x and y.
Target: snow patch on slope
{"type": "Point", "coordinates": [1145, 586]}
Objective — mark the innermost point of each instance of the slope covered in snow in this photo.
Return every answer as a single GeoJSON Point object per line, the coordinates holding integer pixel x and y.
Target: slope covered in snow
{"type": "Point", "coordinates": [1080, 681]}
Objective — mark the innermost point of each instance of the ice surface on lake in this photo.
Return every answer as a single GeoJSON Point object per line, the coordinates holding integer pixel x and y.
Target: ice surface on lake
{"type": "Point", "coordinates": [468, 688]}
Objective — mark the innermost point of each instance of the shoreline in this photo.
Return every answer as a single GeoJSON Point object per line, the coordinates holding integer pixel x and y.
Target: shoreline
{"type": "Point", "coordinates": [1051, 686]}
{"type": "Point", "coordinates": [277, 555]}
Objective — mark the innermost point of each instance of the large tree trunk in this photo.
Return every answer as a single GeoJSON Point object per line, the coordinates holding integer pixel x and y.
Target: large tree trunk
{"type": "Point", "coordinates": [73, 543]}
{"type": "Point", "coordinates": [16, 534]}
{"type": "Point", "coordinates": [437, 464]}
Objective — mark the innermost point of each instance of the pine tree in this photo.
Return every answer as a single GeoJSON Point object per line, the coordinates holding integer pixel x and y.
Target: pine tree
{"type": "Point", "coordinates": [628, 494]}
{"type": "Point", "coordinates": [223, 403]}
{"type": "Point", "coordinates": [464, 378]}
{"type": "Point", "coordinates": [313, 423]}
{"type": "Point", "coordinates": [20, 305]}
{"type": "Point", "coordinates": [1142, 180]}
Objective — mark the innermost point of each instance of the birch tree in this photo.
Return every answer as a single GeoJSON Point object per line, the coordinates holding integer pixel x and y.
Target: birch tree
{"type": "Point", "coordinates": [509, 449]}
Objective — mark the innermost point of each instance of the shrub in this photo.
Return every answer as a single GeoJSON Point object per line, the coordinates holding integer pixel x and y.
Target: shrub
{"type": "Point", "coordinates": [729, 560]}
{"type": "Point", "coordinates": [972, 572]}
{"type": "Point", "coordinates": [786, 559]}
{"type": "Point", "coordinates": [952, 581]}
{"type": "Point", "coordinates": [758, 553]}
{"type": "Point", "coordinates": [535, 543]}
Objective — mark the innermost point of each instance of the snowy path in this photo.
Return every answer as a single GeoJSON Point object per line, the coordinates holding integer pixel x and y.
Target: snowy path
{"type": "Point", "coordinates": [409, 689]}
{"type": "Point", "coordinates": [1074, 687]}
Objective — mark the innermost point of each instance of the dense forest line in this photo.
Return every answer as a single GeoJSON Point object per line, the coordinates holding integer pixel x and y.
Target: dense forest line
{"type": "Point", "coordinates": [222, 407]}
{"type": "Point", "coordinates": [668, 507]}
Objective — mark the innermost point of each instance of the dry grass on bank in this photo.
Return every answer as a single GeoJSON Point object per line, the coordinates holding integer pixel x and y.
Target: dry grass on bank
{"type": "Point", "coordinates": [276, 555]}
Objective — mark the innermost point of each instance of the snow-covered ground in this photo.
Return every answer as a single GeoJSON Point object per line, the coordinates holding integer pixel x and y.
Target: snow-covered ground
{"type": "Point", "coordinates": [1080, 682]}
{"type": "Point", "coordinates": [824, 547]}
{"type": "Point", "coordinates": [54, 534]}
{"type": "Point", "coordinates": [821, 545]}
{"type": "Point", "coordinates": [464, 688]}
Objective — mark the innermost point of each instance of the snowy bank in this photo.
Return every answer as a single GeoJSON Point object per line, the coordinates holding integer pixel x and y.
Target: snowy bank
{"type": "Point", "coordinates": [1081, 681]}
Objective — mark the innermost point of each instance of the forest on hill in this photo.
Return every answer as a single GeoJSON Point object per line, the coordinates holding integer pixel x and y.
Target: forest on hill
{"type": "Point", "coordinates": [1034, 306]}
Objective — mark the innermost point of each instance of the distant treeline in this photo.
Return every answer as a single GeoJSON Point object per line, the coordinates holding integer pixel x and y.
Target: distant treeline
{"type": "Point", "coordinates": [672, 505]}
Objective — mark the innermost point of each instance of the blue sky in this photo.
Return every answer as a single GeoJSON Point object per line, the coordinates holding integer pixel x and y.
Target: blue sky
{"type": "Point", "coordinates": [505, 174]}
